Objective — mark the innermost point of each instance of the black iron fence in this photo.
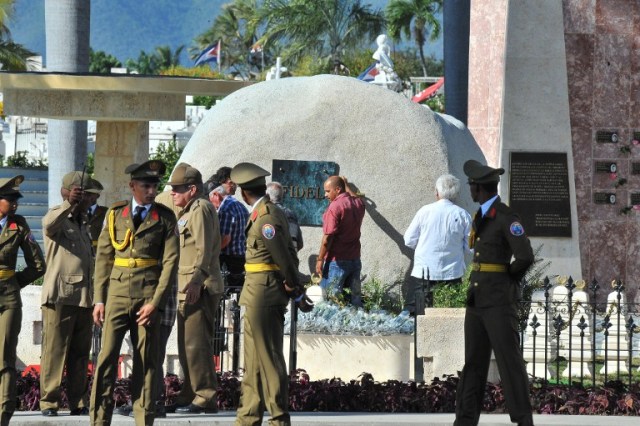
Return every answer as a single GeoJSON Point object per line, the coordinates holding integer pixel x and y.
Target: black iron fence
{"type": "Point", "coordinates": [578, 333]}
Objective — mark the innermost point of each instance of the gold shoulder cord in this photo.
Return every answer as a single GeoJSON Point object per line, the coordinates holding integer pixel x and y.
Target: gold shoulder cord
{"type": "Point", "coordinates": [127, 236]}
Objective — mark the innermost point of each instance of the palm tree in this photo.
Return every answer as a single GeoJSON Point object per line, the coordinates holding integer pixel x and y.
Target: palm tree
{"type": "Point", "coordinates": [13, 56]}
{"type": "Point", "coordinates": [237, 27]}
{"type": "Point", "coordinates": [327, 28]}
{"type": "Point", "coordinates": [166, 58]}
{"type": "Point", "coordinates": [415, 19]}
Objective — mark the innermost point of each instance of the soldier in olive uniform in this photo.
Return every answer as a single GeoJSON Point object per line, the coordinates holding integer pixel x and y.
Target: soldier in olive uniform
{"type": "Point", "coordinates": [14, 235]}
{"type": "Point", "coordinates": [271, 279]}
{"type": "Point", "coordinates": [491, 322]}
{"type": "Point", "coordinates": [95, 213]}
{"type": "Point", "coordinates": [67, 299]}
{"type": "Point", "coordinates": [136, 259]}
{"type": "Point", "coordinates": [200, 289]}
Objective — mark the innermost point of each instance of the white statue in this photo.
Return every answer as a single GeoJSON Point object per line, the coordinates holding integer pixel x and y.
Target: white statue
{"type": "Point", "coordinates": [386, 76]}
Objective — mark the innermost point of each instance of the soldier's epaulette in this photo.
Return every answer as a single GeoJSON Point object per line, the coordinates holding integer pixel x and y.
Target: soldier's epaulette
{"type": "Point", "coordinates": [263, 210]}
{"type": "Point", "coordinates": [119, 204]}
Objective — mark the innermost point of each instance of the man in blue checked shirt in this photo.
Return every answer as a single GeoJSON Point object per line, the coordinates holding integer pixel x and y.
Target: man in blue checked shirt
{"type": "Point", "coordinates": [233, 216]}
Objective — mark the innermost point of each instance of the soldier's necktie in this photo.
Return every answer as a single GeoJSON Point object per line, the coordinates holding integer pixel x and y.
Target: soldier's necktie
{"type": "Point", "coordinates": [137, 216]}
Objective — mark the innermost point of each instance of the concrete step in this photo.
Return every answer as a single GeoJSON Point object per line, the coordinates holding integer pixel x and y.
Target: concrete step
{"type": "Point", "coordinates": [40, 197]}
{"type": "Point", "coordinates": [38, 174]}
{"type": "Point", "coordinates": [32, 209]}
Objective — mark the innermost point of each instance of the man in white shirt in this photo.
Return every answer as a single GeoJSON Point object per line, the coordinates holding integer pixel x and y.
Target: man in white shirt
{"type": "Point", "coordinates": [439, 233]}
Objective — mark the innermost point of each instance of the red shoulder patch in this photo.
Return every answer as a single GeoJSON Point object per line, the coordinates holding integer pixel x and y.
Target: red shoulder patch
{"type": "Point", "coordinates": [125, 212]}
{"type": "Point", "coordinates": [492, 213]}
{"type": "Point", "coordinates": [254, 215]}
{"type": "Point", "coordinates": [13, 226]}
{"type": "Point", "coordinates": [154, 215]}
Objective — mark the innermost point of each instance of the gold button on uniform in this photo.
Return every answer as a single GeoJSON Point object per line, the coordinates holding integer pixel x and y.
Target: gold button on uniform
{"type": "Point", "coordinates": [132, 263]}
{"type": "Point", "coordinates": [475, 284]}
{"type": "Point", "coordinates": [477, 254]}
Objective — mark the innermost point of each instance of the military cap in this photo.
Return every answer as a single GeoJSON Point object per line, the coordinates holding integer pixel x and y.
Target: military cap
{"type": "Point", "coordinates": [94, 186]}
{"type": "Point", "coordinates": [184, 174]}
{"type": "Point", "coordinates": [76, 178]}
{"type": "Point", "coordinates": [249, 175]}
{"type": "Point", "coordinates": [151, 170]}
{"type": "Point", "coordinates": [479, 173]}
{"type": "Point", "coordinates": [10, 187]}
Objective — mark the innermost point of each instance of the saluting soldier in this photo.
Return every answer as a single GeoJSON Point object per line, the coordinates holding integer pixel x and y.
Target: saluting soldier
{"type": "Point", "coordinates": [136, 258]}
{"type": "Point", "coordinates": [14, 235]}
{"type": "Point", "coordinates": [66, 299]}
{"type": "Point", "coordinates": [200, 289]}
{"type": "Point", "coordinates": [271, 279]}
{"type": "Point", "coordinates": [491, 321]}
{"type": "Point", "coordinates": [95, 213]}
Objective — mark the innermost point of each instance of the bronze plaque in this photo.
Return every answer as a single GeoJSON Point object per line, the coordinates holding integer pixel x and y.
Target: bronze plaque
{"type": "Point", "coordinates": [539, 192]}
{"type": "Point", "coordinates": [302, 182]}
{"type": "Point", "coordinates": [604, 198]}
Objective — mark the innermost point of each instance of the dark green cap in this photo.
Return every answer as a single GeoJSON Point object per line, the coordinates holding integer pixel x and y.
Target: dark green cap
{"type": "Point", "coordinates": [151, 170]}
{"type": "Point", "coordinates": [95, 187]}
{"type": "Point", "coordinates": [76, 178]}
{"type": "Point", "coordinates": [249, 175]}
{"type": "Point", "coordinates": [184, 174]}
{"type": "Point", "coordinates": [480, 173]}
{"type": "Point", "coordinates": [10, 187]}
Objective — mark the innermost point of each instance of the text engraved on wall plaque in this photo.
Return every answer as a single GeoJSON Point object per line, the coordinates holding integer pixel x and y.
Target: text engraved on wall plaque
{"type": "Point", "coordinates": [604, 198]}
{"type": "Point", "coordinates": [635, 168]}
{"type": "Point", "coordinates": [635, 199]}
{"type": "Point", "coordinates": [539, 192]}
{"type": "Point", "coordinates": [606, 167]}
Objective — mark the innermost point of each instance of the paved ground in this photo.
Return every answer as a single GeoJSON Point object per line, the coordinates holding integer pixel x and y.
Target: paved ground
{"type": "Point", "coordinates": [360, 419]}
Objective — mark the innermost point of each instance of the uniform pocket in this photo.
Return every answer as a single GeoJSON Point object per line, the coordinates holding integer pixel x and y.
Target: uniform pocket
{"type": "Point", "coordinates": [72, 278]}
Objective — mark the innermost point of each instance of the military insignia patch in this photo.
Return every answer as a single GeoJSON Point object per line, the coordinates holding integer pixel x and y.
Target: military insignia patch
{"type": "Point", "coordinates": [268, 231]}
{"type": "Point", "coordinates": [516, 229]}
{"type": "Point", "coordinates": [13, 226]}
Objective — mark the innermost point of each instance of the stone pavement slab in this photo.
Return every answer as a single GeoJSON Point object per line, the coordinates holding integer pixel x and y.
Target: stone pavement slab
{"type": "Point", "coordinates": [226, 418]}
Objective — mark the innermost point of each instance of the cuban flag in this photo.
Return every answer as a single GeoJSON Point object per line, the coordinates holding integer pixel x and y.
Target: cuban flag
{"type": "Point", "coordinates": [369, 74]}
{"type": "Point", "coordinates": [210, 54]}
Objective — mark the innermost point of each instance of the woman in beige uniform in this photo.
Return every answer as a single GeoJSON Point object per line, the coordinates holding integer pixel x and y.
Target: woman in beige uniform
{"type": "Point", "coordinates": [14, 235]}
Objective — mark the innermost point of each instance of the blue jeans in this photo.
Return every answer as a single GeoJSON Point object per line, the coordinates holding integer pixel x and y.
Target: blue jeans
{"type": "Point", "coordinates": [340, 274]}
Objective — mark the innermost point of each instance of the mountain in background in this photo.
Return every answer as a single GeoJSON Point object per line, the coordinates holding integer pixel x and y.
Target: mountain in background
{"type": "Point", "coordinates": [124, 28]}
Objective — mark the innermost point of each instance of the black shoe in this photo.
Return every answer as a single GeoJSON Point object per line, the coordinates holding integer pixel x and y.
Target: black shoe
{"type": "Point", "coordinates": [161, 412]}
{"type": "Point", "coordinates": [50, 412]}
{"type": "Point", "coordinates": [124, 410]}
{"type": "Point", "coordinates": [84, 411]}
{"type": "Point", "coordinates": [195, 409]}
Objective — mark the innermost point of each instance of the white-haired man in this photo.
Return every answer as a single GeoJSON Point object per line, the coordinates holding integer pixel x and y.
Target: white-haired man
{"type": "Point", "coordinates": [439, 234]}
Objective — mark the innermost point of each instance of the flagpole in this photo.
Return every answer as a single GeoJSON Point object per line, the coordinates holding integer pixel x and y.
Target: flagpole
{"type": "Point", "coordinates": [219, 56]}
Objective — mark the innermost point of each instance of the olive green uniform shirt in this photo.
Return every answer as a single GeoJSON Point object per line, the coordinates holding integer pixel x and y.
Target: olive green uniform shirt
{"type": "Point", "coordinates": [69, 256]}
{"type": "Point", "coordinates": [155, 239]}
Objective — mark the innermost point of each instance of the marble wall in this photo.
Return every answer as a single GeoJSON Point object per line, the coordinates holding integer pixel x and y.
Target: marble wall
{"type": "Point", "coordinates": [602, 39]}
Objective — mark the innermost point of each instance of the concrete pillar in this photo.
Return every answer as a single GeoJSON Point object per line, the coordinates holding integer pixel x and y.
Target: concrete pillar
{"type": "Point", "coordinates": [456, 15]}
{"type": "Point", "coordinates": [119, 144]}
{"type": "Point", "coordinates": [67, 25]}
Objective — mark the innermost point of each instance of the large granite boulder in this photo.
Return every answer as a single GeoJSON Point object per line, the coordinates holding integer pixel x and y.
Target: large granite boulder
{"type": "Point", "coordinates": [390, 149]}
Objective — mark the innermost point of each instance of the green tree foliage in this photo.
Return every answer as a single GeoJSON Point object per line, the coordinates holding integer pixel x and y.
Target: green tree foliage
{"type": "Point", "coordinates": [169, 153]}
{"type": "Point", "coordinates": [101, 62]}
{"type": "Point", "coordinates": [146, 64]}
{"type": "Point", "coordinates": [415, 19]}
{"type": "Point", "coordinates": [13, 56]}
{"type": "Point", "coordinates": [166, 58]}
{"type": "Point", "coordinates": [325, 28]}
{"type": "Point", "coordinates": [237, 27]}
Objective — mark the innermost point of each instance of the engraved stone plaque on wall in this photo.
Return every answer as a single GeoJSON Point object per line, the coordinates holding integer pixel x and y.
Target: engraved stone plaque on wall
{"type": "Point", "coordinates": [539, 192]}
{"type": "Point", "coordinates": [607, 136]}
{"type": "Point", "coordinates": [606, 167]}
{"type": "Point", "coordinates": [302, 182]}
{"type": "Point", "coordinates": [635, 168]}
{"type": "Point", "coordinates": [604, 198]}
{"type": "Point", "coordinates": [635, 199]}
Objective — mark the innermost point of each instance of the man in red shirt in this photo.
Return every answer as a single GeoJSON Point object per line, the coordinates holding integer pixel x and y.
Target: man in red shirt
{"type": "Point", "coordinates": [339, 257]}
